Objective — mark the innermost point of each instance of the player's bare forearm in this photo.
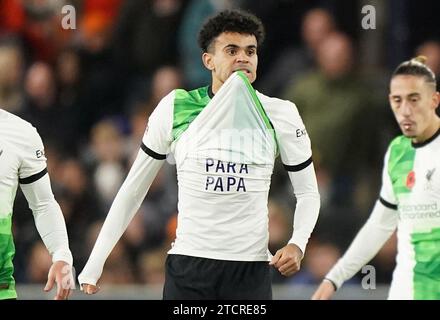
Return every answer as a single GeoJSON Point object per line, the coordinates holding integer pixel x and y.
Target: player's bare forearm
{"type": "Point", "coordinates": [325, 291]}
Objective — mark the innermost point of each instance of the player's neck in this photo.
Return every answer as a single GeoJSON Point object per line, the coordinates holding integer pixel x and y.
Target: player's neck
{"type": "Point", "coordinates": [429, 133]}
{"type": "Point", "coordinates": [216, 87]}
{"type": "Point", "coordinates": [216, 84]}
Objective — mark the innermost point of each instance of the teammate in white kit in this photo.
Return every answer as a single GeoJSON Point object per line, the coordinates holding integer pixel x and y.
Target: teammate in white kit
{"type": "Point", "coordinates": [22, 161]}
{"type": "Point", "coordinates": [410, 195]}
{"type": "Point", "coordinates": [225, 138]}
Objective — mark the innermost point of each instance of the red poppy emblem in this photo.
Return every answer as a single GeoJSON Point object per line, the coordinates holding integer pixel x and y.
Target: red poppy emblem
{"type": "Point", "coordinates": [411, 180]}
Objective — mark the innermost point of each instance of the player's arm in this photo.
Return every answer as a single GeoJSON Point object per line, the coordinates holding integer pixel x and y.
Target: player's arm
{"type": "Point", "coordinates": [35, 184]}
{"type": "Point", "coordinates": [303, 179]}
{"type": "Point", "coordinates": [122, 211]}
{"type": "Point", "coordinates": [147, 164]}
{"type": "Point", "coordinates": [296, 155]}
{"type": "Point", "coordinates": [376, 231]}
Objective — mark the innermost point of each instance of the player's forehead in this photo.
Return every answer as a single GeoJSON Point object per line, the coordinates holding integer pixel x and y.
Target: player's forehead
{"type": "Point", "coordinates": [407, 84]}
{"type": "Point", "coordinates": [235, 39]}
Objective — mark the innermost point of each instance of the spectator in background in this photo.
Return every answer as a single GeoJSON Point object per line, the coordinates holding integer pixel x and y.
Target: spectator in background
{"type": "Point", "coordinates": [37, 24]}
{"type": "Point", "coordinates": [68, 75]}
{"type": "Point", "coordinates": [81, 196]}
{"type": "Point", "coordinates": [145, 37]}
{"type": "Point", "coordinates": [40, 106]}
{"type": "Point", "coordinates": [109, 160]}
{"type": "Point", "coordinates": [431, 50]}
{"type": "Point", "coordinates": [152, 267]}
{"type": "Point", "coordinates": [11, 66]}
{"type": "Point", "coordinates": [165, 79]}
{"type": "Point", "coordinates": [56, 123]}
{"type": "Point", "coordinates": [336, 90]}
{"type": "Point", "coordinates": [103, 89]}
{"type": "Point", "coordinates": [107, 8]}
{"type": "Point", "coordinates": [294, 61]}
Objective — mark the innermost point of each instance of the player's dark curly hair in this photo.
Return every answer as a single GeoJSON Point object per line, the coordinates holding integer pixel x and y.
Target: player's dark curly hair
{"type": "Point", "coordinates": [230, 21]}
{"type": "Point", "coordinates": [416, 67]}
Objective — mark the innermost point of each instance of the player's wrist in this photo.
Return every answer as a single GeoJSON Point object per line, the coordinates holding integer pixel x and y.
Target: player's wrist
{"type": "Point", "coordinates": [63, 255]}
{"type": "Point", "coordinates": [331, 282]}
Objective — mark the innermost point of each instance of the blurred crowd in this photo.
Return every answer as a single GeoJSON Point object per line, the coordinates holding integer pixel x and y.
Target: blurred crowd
{"type": "Point", "coordinates": [89, 92]}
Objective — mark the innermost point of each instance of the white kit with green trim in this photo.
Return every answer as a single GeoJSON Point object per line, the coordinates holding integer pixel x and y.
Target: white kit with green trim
{"type": "Point", "coordinates": [412, 183]}
{"type": "Point", "coordinates": [21, 156]}
{"type": "Point", "coordinates": [225, 148]}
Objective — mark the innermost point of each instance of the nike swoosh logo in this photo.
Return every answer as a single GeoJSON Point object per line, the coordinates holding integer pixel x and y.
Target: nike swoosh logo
{"type": "Point", "coordinates": [1, 151]}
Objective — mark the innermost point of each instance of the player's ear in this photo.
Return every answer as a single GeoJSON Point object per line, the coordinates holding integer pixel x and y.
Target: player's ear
{"type": "Point", "coordinates": [435, 100]}
{"type": "Point", "coordinates": [208, 61]}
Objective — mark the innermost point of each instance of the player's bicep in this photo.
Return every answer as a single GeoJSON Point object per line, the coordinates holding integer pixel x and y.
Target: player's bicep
{"type": "Point", "coordinates": [384, 217]}
{"type": "Point", "coordinates": [38, 192]}
{"type": "Point", "coordinates": [33, 160]}
{"type": "Point", "coordinates": [293, 139]}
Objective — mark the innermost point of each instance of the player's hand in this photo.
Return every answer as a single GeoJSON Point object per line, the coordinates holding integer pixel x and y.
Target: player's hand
{"type": "Point", "coordinates": [325, 291]}
{"type": "Point", "coordinates": [60, 273]}
{"type": "Point", "coordinates": [287, 260]}
{"type": "Point", "coordinates": [89, 288]}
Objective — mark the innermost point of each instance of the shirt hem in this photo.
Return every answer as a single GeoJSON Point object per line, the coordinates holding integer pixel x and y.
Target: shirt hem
{"type": "Point", "coordinates": [219, 256]}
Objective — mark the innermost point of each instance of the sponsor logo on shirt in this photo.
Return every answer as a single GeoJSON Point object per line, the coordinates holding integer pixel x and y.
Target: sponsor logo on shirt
{"type": "Point", "coordinates": [301, 132]}
{"type": "Point", "coordinates": [428, 176]}
{"type": "Point", "coordinates": [39, 153]}
{"type": "Point", "coordinates": [419, 211]}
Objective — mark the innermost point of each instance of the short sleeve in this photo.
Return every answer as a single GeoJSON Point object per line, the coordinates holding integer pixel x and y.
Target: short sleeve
{"type": "Point", "coordinates": [158, 134]}
{"type": "Point", "coordinates": [33, 161]}
{"type": "Point", "coordinates": [387, 196]}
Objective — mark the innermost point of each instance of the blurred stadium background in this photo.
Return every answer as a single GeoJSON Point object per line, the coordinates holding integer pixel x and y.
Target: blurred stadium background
{"type": "Point", "coordinates": [89, 92]}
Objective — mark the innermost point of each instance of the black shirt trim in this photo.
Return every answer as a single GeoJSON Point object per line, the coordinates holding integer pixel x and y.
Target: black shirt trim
{"type": "Point", "coordinates": [298, 167]}
{"type": "Point", "coordinates": [333, 284]}
{"type": "Point", "coordinates": [33, 177]}
{"type": "Point", "coordinates": [210, 93]}
{"type": "Point", "coordinates": [153, 154]}
{"type": "Point", "coordinates": [424, 143]}
{"type": "Point", "coordinates": [387, 204]}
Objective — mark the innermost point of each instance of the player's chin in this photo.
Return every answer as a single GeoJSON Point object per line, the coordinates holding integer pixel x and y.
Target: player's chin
{"type": "Point", "coordinates": [252, 77]}
{"type": "Point", "coordinates": [409, 133]}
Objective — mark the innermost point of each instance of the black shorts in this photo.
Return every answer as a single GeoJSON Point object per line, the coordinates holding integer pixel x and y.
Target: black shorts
{"type": "Point", "coordinates": [193, 278]}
